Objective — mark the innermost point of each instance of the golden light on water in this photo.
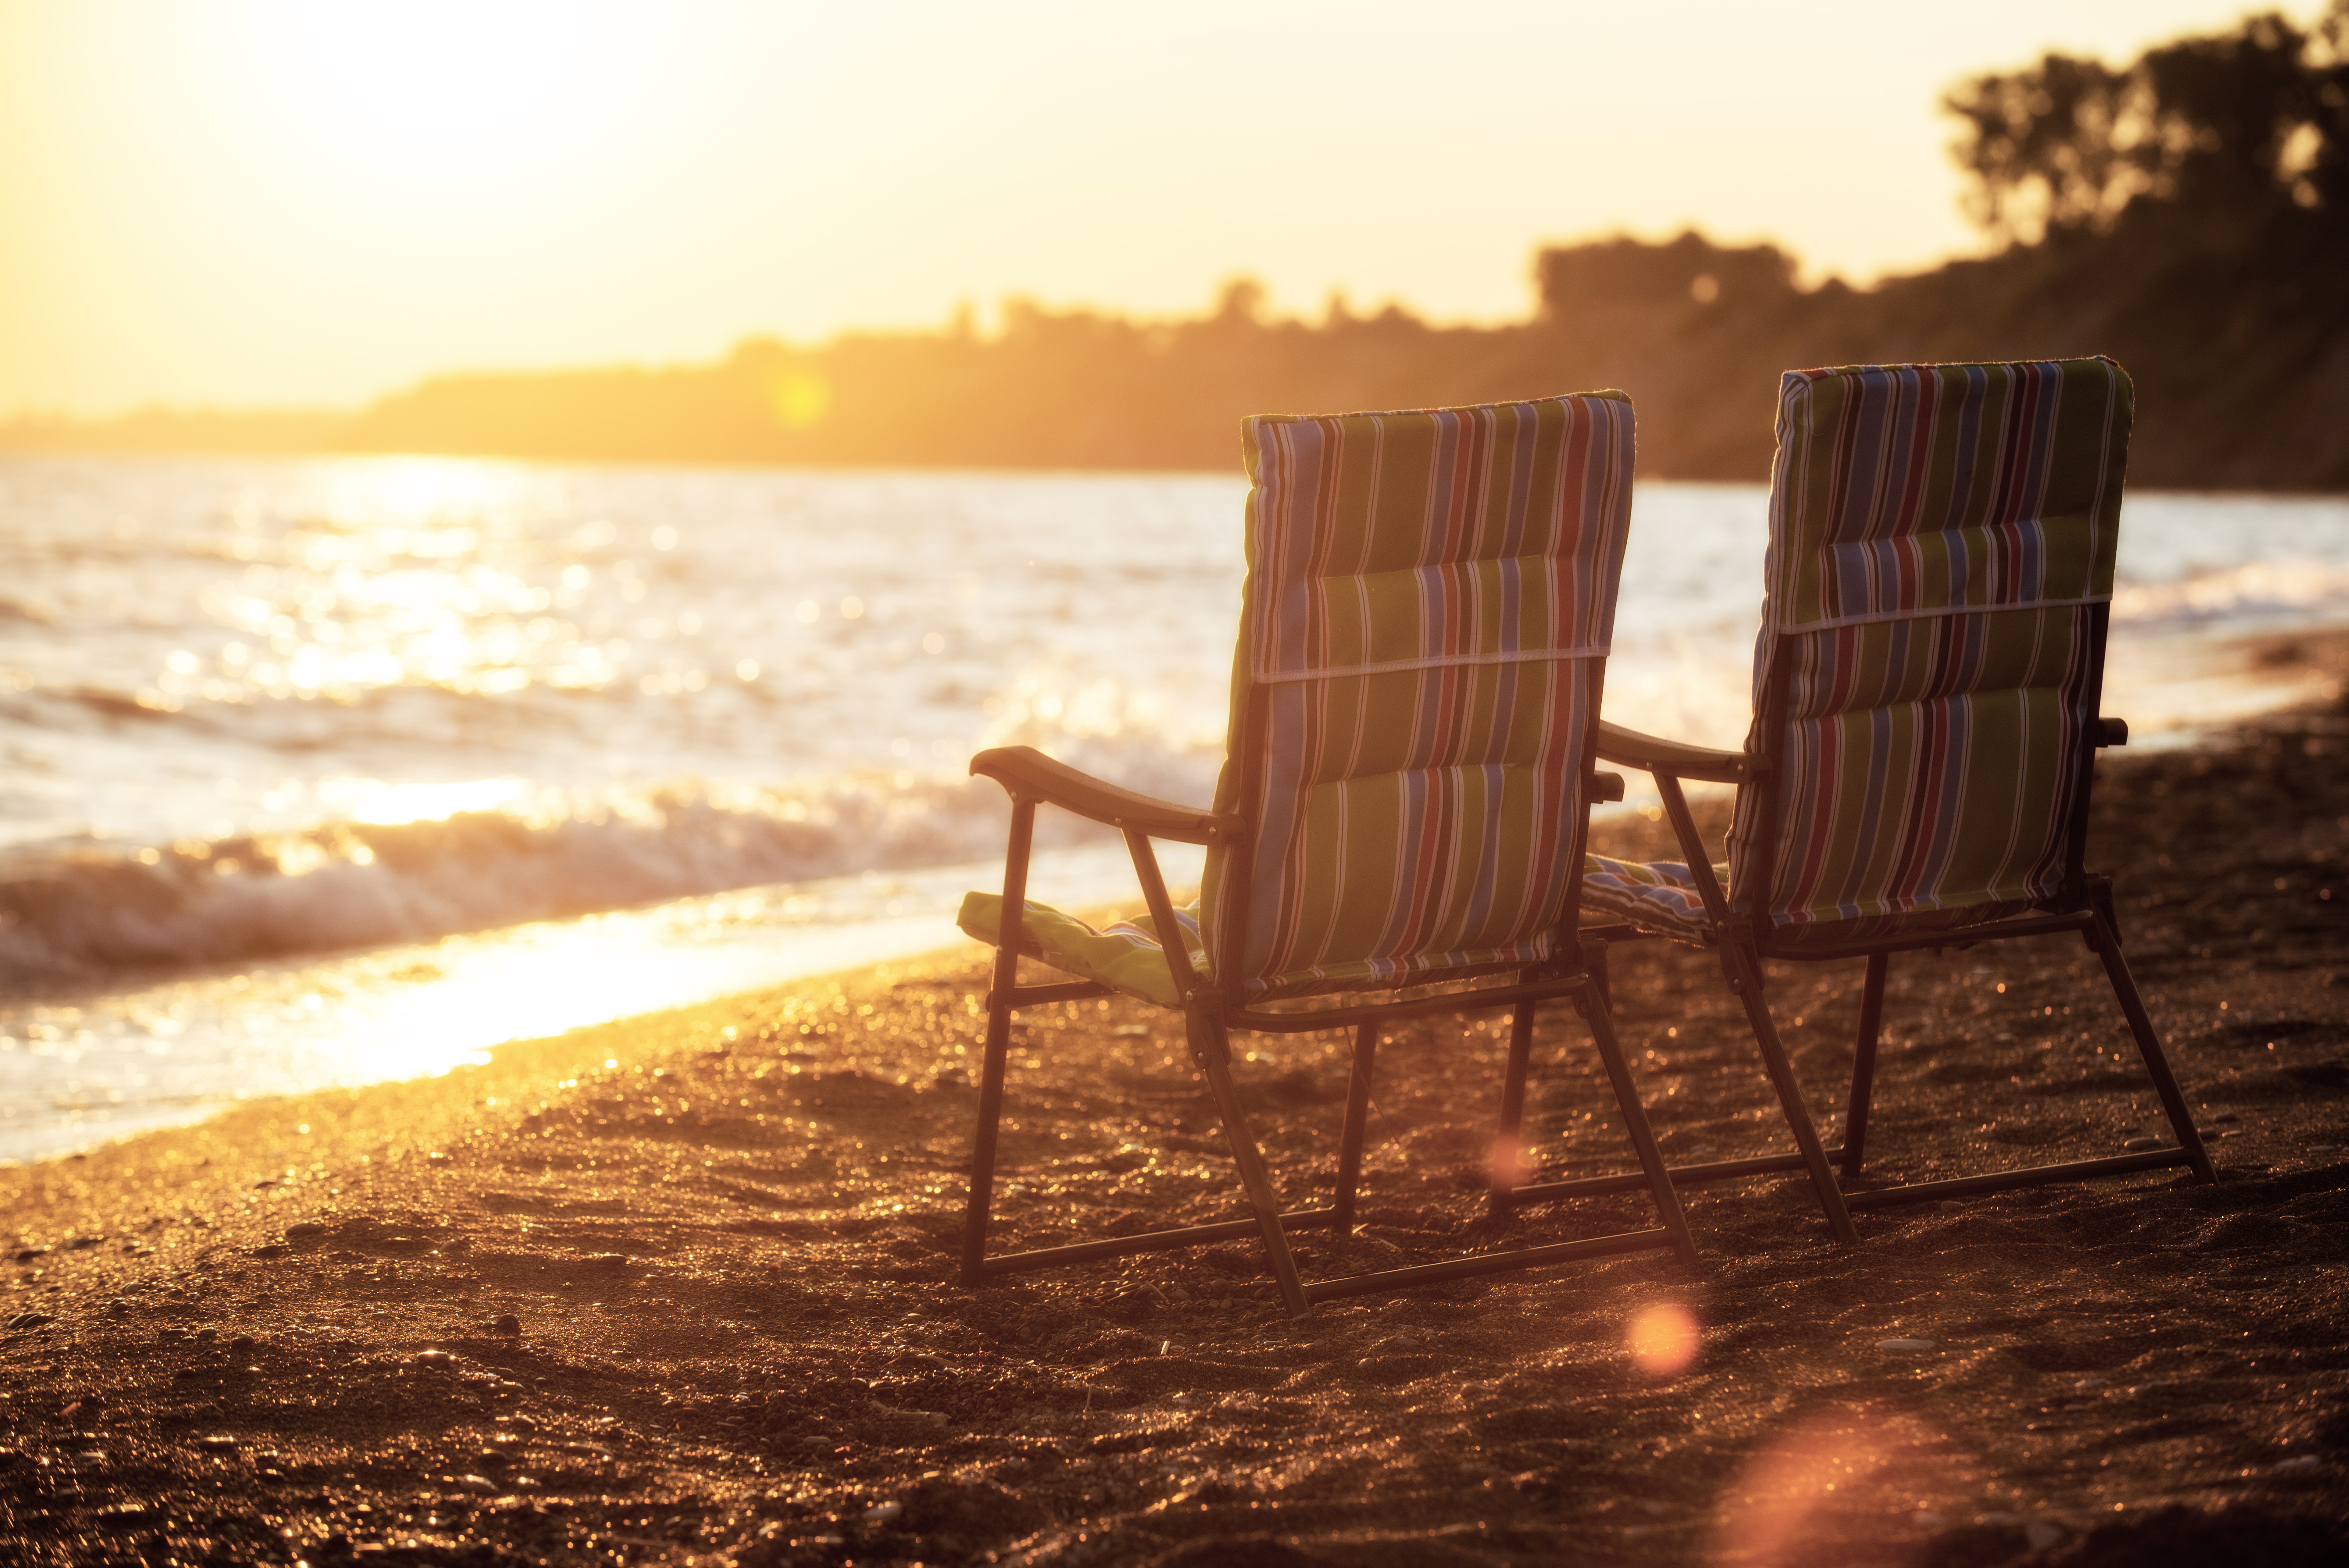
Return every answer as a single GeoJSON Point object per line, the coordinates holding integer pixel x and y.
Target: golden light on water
{"type": "Point", "coordinates": [414, 571]}
{"type": "Point", "coordinates": [374, 801]}
{"type": "Point", "coordinates": [408, 1011]}
{"type": "Point", "coordinates": [1665, 1339]}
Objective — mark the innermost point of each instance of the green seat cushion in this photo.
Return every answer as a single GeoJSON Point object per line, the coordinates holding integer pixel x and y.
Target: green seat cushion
{"type": "Point", "coordinates": [1126, 956]}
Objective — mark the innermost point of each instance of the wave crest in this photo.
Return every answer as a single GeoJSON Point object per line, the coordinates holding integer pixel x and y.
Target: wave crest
{"type": "Point", "coordinates": [83, 909]}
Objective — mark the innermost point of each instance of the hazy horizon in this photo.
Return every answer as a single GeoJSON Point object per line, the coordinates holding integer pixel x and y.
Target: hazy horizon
{"type": "Point", "coordinates": [255, 204]}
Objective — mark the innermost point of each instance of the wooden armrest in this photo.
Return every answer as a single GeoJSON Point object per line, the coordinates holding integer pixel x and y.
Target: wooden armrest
{"type": "Point", "coordinates": [2106, 732]}
{"type": "Point", "coordinates": [1024, 770]}
{"type": "Point", "coordinates": [1606, 786]}
{"type": "Point", "coordinates": [1656, 755]}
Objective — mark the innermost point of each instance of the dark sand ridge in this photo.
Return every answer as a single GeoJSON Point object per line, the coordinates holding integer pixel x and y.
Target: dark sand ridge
{"type": "Point", "coordinates": [679, 1289]}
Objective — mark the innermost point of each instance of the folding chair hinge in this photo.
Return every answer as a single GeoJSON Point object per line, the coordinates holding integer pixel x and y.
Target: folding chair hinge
{"type": "Point", "coordinates": [2090, 890]}
{"type": "Point", "coordinates": [2100, 898]}
{"type": "Point", "coordinates": [1201, 1002]}
{"type": "Point", "coordinates": [1594, 964]}
{"type": "Point", "coordinates": [1737, 956]}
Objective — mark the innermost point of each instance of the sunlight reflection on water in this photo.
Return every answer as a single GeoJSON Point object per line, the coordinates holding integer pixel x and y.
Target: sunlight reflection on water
{"type": "Point", "coordinates": [100, 1064]}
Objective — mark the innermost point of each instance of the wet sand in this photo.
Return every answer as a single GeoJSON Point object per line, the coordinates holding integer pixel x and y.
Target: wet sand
{"type": "Point", "coordinates": [680, 1289]}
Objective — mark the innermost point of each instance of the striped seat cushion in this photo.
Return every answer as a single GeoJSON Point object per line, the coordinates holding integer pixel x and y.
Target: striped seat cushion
{"type": "Point", "coordinates": [1942, 547]}
{"type": "Point", "coordinates": [1124, 955]}
{"type": "Point", "coordinates": [1424, 630]}
{"type": "Point", "coordinates": [1659, 896]}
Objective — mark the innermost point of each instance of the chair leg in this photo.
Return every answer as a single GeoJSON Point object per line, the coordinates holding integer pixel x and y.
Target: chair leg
{"type": "Point", "coordinates": [1863, 1064]}
{"type": "Point", "coordinates": [1507, 1168]}
{"type": "Point", "coordinates": [1790, 1098]}
{"type": "Point", "coordinates": [1213, 1048]}
{"type": "Point", "coordinates": [999, 1045]}
{"type": "Point", "coordinates": [1635, 1120]}
{"type": "Point", "coordinates": [1358, 1115]}
{"type": "Point", "coordinates": [2108, 944]}
{"type": "Point", "coordinates": [991, 1115]}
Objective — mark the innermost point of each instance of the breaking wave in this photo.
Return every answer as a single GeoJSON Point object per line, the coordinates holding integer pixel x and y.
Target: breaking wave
{"type": "Point", "coordinates": [89, 908]}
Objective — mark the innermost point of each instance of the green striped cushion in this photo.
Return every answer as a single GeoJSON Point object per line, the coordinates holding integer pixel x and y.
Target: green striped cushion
{"type": "Point", "coordinates": [1423, 633]}
{"type": "Point", "coordinates": [1126, 956]}
{"type": "Point", "coordinates": [1903, 491]}
{"type": "Point", "coordinates": [1941, 540]}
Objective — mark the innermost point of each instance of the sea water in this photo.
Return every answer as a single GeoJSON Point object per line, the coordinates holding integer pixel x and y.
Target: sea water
{"type": "Point", "coordinates": [327, 771]}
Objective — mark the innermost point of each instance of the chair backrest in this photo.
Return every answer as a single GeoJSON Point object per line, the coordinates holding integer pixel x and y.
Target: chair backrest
{"type": "Point", "coordinates": [1931, 653]}
{"type": "Point", "coordinates": [1415, 692]}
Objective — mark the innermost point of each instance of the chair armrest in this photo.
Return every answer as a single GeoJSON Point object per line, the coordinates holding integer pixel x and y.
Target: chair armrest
{"type": "Point", "coordinates": [1606, 786]}
{"type": "Point", "coordinates": [2105, 732]}
{"type": "Point", "coordinates": [1024, 770]}
{"type": "Point", "coordinates": [1633, 749]}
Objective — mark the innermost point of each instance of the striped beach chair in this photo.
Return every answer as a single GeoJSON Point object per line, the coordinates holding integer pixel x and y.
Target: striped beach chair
{"type": "Point", "coordinates": [1926, 685]}
{"type": "Point", "coordinates": [1403, 801]}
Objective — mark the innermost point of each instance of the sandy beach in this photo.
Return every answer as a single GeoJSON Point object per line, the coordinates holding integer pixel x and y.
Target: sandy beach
{"type": "Point", "coordinates": [681, 1289]}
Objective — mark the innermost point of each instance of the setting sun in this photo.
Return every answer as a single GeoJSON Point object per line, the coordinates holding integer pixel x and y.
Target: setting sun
{"type": "Point", "coordinates": [409, 100]}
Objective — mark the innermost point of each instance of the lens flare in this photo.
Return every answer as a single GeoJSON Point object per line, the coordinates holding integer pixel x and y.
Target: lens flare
{"type": "Point", "coordinates": [1664, 1338]}
{"type": "Point", "coordinates": [1509, 1168]}
{"type": "Point", "coordinates": [801, 399]}
{"type": "Point", "coordinates": [1830, 1478]}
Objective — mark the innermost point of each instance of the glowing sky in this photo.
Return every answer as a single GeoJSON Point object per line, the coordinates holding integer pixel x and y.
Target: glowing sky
{"type": "Point", "coordinates": [271, 202]}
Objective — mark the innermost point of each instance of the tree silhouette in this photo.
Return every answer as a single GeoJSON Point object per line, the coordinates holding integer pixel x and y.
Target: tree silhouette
{"type": "Point", "coordinates": [2235, 127]}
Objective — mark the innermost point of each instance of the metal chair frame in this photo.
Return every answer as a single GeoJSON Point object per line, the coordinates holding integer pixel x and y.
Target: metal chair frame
{"type": "Point", "coordinates": [1209, 1016]}
{"type": "Point", "coordinates": [2084, 905]}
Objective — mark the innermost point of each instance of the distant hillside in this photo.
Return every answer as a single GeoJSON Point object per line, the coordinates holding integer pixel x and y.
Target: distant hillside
{"type": "Point", "coordinates": [2188, 214]}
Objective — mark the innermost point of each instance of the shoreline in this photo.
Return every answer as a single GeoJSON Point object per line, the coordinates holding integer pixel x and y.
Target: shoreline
{"type": "Point", "coordinates": [679, 1287]}
{"type": "Point", "coordinates": [373, 993]}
